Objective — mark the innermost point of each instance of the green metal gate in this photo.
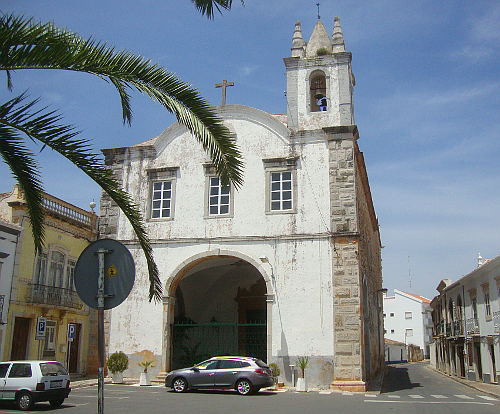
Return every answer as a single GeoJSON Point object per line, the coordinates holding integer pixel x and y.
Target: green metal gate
{"type": "Point", "coordinates": [195, 342]}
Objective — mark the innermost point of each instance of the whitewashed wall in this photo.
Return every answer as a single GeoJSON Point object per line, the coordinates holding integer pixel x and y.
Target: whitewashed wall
{"type": "Point", "coordinates": [297, 245]}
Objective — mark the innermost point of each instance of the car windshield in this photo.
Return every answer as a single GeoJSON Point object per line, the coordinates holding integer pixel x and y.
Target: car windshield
{"type": "Point", "coordinates": [52, 369]}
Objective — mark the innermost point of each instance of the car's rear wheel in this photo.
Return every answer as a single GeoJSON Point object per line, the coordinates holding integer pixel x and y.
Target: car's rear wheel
{"type": "Point", "coordinates": [244, 387]}
{"type": "Point", "coordinates": [56, 403]}
{"type": "Point", "coordinates": [179, 384]}
{"type": "Point", "coordinates": [25, 401]}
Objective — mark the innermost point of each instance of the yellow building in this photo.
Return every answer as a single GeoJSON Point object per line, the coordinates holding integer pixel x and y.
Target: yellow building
{"type": "Point", "coordinates": [42, 285]}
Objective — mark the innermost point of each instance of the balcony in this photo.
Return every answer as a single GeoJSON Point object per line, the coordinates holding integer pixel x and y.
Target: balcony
{"type": "Point", "coordinates": [472, 326]}
{"type": "Point", "coordinates": [496, 321]}
{"type": "Point", "coordinates": [68, 212]}
{"type": "Point", "coordinates": [458, 328]}
{"type": "Point", "coordinates": [55, 296]}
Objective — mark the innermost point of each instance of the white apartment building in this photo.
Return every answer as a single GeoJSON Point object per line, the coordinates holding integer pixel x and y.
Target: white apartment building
{"type": "Point", "coordinates": [407, 319]}
{"type": "Point", "coordinates": [467, 324]}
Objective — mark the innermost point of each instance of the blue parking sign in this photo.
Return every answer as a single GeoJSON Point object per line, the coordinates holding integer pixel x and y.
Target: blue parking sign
{"type": "Point", "coordinates": [71, 331]}
{"type": "Point", "coordinates": [41, 324]}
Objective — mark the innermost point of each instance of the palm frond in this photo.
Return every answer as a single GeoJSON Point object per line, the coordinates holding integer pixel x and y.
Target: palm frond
{"type": "Point", "coordinates": [24, 169]}
{"type": "Point", "coordinates": [206, 7]}
{"type": "Point", "coordinates": [44, 127]}
{"type": "Point", "coordinates": [25, 44]}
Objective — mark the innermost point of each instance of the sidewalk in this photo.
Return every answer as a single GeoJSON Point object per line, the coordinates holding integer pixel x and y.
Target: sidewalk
{"type": "Point", "coordinates": [492, 389]}
{"type": "Point", "coordinates": [91, 382]}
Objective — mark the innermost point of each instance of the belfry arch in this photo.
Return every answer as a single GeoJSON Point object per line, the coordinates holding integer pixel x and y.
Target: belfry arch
{"type": "Point", "coordinates": [217, 303]}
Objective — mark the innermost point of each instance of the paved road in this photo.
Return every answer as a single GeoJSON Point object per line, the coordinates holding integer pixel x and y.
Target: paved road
{"type": "Point", "coordinates": [408, 389]}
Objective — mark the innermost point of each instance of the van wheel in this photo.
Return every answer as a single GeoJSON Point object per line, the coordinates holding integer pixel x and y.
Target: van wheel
{"type": "Point", "coordinates": [56, 403]}
{"type": "Point", "coordinates": [24, 401]}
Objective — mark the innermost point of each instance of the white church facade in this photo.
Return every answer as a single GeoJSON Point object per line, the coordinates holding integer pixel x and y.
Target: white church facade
{"type": "Point", "coordinates": [286, 266]}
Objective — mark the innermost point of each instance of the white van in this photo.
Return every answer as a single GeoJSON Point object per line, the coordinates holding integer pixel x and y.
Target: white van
{"type": "Point", "coordinates": [28, 382]}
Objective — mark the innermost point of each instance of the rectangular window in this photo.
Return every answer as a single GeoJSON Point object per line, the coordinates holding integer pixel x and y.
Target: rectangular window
{"type": "Point", "coordinates": [409, 332]}
{"type": "Point", "coordinates": [487, 305]}
{"type": "Point", "coordinates": [41, 269]}
{"type": "Point", "coordinates": [161, 199]}
{"type": "Point", "coordinates": [392, 330]}
{"type": "Point", "coordinates": [281, 191]}
{"type": "Point", "coordinates": [391, 314]}
{"type": "Point", "coordinates": [219, 197]}
{"type": "Point", "coordinates": [70, 275]}
{"type": "Point", "coordinates": [408, 315]}
{"type": "Point", "coordinates": [56, 269]}
{"type": "Point", "coordinates": [474, 308]}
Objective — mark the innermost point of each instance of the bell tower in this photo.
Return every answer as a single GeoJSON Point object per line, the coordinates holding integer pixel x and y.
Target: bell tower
{"type": "Point", "coordinates": [320, 81]}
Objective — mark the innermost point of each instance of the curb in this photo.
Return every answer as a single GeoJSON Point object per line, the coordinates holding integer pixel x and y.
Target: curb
{"type": "Point", "coordinates": [469, 384]}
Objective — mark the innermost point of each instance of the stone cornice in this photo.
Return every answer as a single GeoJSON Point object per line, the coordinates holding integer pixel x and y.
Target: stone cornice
{"type": "Point", "coordinates": [341, 132]}
{"type": "Point", "coordinates": [325, 60]}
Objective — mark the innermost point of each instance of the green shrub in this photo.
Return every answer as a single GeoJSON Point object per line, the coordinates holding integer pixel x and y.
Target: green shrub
{"type": "Point", "coordinates": [323, 51]}
{"type": "Point", "coordinates": [275, 369]}
{"type": "Point", "coordinates": [117, 362]}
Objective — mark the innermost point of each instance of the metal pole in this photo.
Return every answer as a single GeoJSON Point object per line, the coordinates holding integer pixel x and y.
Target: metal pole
{"type": "Point", "coordinates": [100, 331]}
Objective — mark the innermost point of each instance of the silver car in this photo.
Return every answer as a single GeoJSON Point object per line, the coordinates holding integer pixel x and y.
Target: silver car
{"type": "Point", "coordinates": [244, 374]}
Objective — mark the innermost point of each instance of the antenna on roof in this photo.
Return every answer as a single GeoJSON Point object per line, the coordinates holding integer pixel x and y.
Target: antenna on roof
{"type": "Point", "coordinates": [409, 272]}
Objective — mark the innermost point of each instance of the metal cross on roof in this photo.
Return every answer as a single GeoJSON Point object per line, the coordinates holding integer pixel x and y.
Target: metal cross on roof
{"type": "Point", "coordinates": [225, 84]}
{"type": "Point", "coordinates": [317, 4]}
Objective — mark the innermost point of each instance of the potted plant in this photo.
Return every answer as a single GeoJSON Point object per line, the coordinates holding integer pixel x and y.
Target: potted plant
{"type": "Point", "coordinates": [275, 372]}
{"type": "Point", "coordinates": [117, 363]}
{"type": "Point", "coordinates": [302, 363]}
{"type": "Point", "coordinates": [144, 379]}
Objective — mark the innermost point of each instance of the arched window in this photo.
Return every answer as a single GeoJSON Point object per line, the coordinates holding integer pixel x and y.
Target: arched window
{"type": "Point", "coordinates": [317, 92]}
{"type": "Point", "coordinates": [450, 309]}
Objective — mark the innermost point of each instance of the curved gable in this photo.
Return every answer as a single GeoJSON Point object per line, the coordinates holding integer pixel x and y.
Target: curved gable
{"type": "Point", "coordinates": [227, 113]}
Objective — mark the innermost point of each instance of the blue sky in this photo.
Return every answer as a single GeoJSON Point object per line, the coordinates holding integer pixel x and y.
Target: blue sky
{"type": "Point", "coordinates": [427, 105]}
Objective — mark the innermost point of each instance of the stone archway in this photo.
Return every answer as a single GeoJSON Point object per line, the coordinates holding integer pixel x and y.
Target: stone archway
{"type": "Point", "coordinates": [218, 303]}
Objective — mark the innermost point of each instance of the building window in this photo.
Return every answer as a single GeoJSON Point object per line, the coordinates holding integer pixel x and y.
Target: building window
{"type": "Point", "coordinates": [474, 308]}
{"type": "Point", "coordinates": [384, 314]}
{"type": "Point", "coordinates": [161, 199]}
{"type": "Point", "coordinates": [70, 275]}
{"type": "Point", "coordinates": [408, 315]}
{"type": "Point", "coordinates": [161, 193]}
{"type": "Point", "coordinates": [391, 314]}
{"type": "Point", "coordinates": [409, 332]}
{"type": "Point", "coordinates": [392, 330]}
{"type": "Point", "coordinates": [281, 191]}
{"type": "Point", "coordinates": [219, 197]}
{"type": "Point", "coordinates": [281, 187]}
{"type": "Point", "coordinates": [41, 269]}
{"type": "Point", "coordinates": [56, 269]}
{"type": "Point", "coordinates": [58, 272]}
{"type": "Point", "coordinates": [385, 331]}
{"type": "Point", "coordinates": [487, 305]}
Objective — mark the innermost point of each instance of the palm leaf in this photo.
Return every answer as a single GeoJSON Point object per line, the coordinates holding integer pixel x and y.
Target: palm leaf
{"type": "Point", "coordinates": [206, 7]}
{"type": "Point", "coordinates": [44, 127]}
{"type": "Point", "coordinates": [25, 44]}
{"type": "Point", "coordinates": [25, 170]}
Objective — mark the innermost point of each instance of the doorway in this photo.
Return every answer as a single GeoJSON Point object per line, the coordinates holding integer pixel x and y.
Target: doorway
{"type": "Point", "coordinates": [20, 338]}
{"type": "Point", "coordinates": [220, 309]}
{"type": "Point", "coordinates": [74, 354]}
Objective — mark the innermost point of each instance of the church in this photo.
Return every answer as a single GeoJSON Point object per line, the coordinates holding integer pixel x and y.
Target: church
{"type": "Point", "coordinates": [287, 266]}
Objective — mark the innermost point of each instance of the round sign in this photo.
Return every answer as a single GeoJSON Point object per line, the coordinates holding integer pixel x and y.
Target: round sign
{"type": "Point", "coordinates": [119, 273]}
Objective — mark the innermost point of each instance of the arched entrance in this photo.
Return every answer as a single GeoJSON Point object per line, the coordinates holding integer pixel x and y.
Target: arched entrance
{"type": "Point", "coordinates": [218, 305]}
